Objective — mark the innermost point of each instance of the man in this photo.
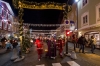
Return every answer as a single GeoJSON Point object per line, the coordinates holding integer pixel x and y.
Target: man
{"type": "Point", "coordinates": [53, 48]}
{"type": "Point", "coordinates": [82, 41]}
{"type": "Point", "coordinates": [74, 41]}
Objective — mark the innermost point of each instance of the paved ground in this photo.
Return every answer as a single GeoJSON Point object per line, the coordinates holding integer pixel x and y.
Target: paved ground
{"type": "Point", "coordinates": [87, 59]}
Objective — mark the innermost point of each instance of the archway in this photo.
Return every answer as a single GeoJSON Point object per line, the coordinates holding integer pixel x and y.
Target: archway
{"type": "Point", "coordinates": [21, 4]}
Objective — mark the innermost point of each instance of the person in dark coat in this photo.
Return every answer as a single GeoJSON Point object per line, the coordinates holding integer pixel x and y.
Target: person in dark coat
{"type": "Point", "coordinates": [48, 41]}
{"type": "Point", "coordinates": [82, 41]}
{"type": "Point", "coordinates": [53, 48]}
{"type": "Point", "coordinates": [3, 41]}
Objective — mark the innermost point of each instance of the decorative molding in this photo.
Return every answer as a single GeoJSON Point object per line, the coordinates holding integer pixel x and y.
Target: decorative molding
{"type": "Point", "coordinates": [90, 26]}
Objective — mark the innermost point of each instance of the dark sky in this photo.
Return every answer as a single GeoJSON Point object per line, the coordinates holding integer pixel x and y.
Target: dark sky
{"type": "Point", "coordinates": [42, 16]}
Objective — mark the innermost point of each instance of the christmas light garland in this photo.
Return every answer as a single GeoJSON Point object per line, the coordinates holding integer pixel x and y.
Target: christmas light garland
{"type": "Point", "coordinates": [46, 30]}
{"type": "Point", "coordinates": [41, 25]}
{"type": "Point", "coordinates": [36, 5]}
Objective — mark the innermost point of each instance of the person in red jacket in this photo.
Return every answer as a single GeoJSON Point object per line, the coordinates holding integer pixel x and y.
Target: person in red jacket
{"type": "Point", "coordinates": [39, 46]}
{"type": "Point", "coordinates": [60, 46]}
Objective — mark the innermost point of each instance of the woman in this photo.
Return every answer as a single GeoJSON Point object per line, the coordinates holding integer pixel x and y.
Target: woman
{"type": "Point", "coordinates": [93, 43]}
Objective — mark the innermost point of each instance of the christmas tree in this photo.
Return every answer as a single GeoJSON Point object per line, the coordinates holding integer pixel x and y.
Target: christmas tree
{"type": "Point", "coordinates": [26, 42]}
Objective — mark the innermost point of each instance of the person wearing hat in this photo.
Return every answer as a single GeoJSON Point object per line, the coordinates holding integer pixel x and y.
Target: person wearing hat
{"type": "Point", "coordinates": [60, 46]}
{"type": "Point", "coordinates": [39, 46]}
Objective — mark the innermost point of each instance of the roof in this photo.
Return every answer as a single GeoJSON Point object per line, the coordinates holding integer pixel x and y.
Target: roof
{"type": "Point", "coordinates": [8, 7]}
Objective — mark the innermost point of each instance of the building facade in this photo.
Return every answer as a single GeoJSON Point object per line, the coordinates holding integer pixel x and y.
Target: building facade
{"type": "Point", "coordinates": [72, 17]}
{"type": "Point", "coordinates": [89, 18]}
{"type": "Point", "coordinates": [6, 18]}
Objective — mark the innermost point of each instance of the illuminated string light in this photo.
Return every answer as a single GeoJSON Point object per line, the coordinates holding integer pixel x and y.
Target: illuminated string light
{"type": "Point", "coordinates": [41, 25]}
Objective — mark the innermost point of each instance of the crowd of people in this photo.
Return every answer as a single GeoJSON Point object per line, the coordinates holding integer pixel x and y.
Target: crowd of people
{"type": "Point", "coordinates": [53, 45]}
{"type": "Point", "coordinates": [82, 42]}
{"type": "Point", "coordinates": [9, 44]}
{"type": "Point", "coordinates": [57, 45]}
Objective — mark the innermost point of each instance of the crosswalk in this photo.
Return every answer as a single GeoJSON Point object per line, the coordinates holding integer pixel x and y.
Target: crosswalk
{"type": "Point", "coordinates": [40, 65]}
{"type": "Point", "coordinates": [68, 63]}
{"type": "Point", "coordinates": [56, 64]}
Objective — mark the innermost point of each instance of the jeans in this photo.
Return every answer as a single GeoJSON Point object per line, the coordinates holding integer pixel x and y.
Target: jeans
{"type": "Point", "coordinates": [81, 48]}
{"type": "Point", "coordinates": [92, 48]}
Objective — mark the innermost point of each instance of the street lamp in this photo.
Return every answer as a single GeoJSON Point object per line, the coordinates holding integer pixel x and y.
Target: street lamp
{"type": "Point", "coordinates": [76, 0]}
{"type": "Point", "coordinates": [77, 18]}
{"type": "Point", "coordinates": [77, 13]}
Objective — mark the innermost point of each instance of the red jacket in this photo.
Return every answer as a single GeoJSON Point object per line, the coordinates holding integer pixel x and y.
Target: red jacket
{"type": "Point", "coordinates": [59, 44]}
{"type": "Point", "coordinates": [39, 43]}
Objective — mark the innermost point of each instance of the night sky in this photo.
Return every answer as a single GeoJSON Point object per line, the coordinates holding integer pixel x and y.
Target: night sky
{"type": "Point", "coordinates": [42, 16]}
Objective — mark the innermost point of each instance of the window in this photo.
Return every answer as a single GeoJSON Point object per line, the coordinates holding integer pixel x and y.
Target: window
{"type": "Point", "coordinates": [4, 14]}
{"type": "Point", "coordinates": [10, 18]}
{"type": "Point", "coordinates": [84, 3]}
{"type": "Point", "coordinates": [98, 13]}
{"type": "Point", "coordinates": [0, 10]}
{"type": "Point", "coordinates": [0, 23]}
{"type": "Point", "coordinates": [9, 27]}
{"type": "Point", "coordinates": [85, 19]}
{"type": "Point", "coordinates": [4, 25]}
